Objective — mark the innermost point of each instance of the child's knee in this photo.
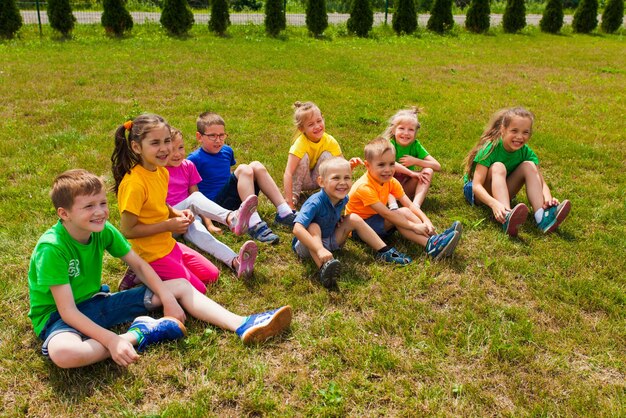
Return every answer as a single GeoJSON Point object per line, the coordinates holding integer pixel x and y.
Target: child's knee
{"type": "Point", "coordinates": [497, 169]}
{"type": "Point", "coordinates": [244, 170]}
{"type": "Point", "coordinates": [61, 350]}
{"type": "Point", "coordinates": [529, 167]}
{"type": "Point", "coordinates": [257, 167]}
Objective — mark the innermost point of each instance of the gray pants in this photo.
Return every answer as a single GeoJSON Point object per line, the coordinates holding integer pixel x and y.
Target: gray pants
{"type": "Point", "coordinates": [197, 232]}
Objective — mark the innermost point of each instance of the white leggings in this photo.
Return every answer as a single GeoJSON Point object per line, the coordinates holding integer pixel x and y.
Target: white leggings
{"type": "Point", "coordinates": [197, 232]}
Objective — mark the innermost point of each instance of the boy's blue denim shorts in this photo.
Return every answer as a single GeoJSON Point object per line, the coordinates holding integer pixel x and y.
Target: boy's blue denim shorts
{"type": "Point", "coordinates": [468, 192]}
{"type": "Point", "coordinates": [105, 309]}
{"type": "Point", "coordinates": [377, 223]}
{"type": "Point", "coordinates": [228, 197]}
{"type": "Point", "coordinates": [330, 243]}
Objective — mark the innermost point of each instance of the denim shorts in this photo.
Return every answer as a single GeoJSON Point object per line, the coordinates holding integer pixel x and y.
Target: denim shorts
{"type": "Point", "coordinates": [468, 192]}
{"type": "Point", "coordinates": [330, 243]}
{"type": "Point", "coordinates": [377, 223]}
{"type": "Point", "coordinates": [105, 309]}
{"type": "Point", "coordinates": [228, 197]}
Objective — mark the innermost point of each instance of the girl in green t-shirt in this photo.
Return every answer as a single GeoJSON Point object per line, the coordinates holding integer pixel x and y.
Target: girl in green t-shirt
{"type": "Point", "coordinates": [414, 165]}
{"type": "Point", "coordinates": [501, 163]}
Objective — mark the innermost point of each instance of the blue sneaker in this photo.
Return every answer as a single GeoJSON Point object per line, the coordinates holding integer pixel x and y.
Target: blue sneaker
{"type": "Point", "coordinates": [286, 220]}
{"type": "Point", "coordinates": [394, 256]}
{"type": "Point", "coordinates": [259, 327]}
{"type": "Point", "coordinates": [437, 245]}
{"type": "Point", "coordinates": [456, 226]}
{"type": "Point", "coordinates": [150, 331]}
{"type": "Point", "coordinates": [261, 232]}
{"type": "Point", "coordinates": [553, 217]}
{"type": "Point", "coordinates": [514, 219]}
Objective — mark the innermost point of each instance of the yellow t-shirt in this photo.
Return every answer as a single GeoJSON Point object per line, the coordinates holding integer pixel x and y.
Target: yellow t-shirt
{"type": "Point", "coordinates": [302, 146]}
{"type": "Point", "coordinates": [142, 193]}
{"type": "Point", "coordinates": [366, 191]}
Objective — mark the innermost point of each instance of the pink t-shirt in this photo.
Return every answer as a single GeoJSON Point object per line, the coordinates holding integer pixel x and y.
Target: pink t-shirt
{"type": "Point", "coordinates": [181, 179]}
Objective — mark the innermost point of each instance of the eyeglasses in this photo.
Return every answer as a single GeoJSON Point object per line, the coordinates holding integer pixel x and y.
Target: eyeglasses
{"type": "Point", "coordinates": [216, 137]}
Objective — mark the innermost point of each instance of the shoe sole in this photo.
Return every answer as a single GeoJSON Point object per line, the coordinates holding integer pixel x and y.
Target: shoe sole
{"type": "Point", "coordinates": [329, 273]}
{"type": "Point", "coordinates": [279, 322]}
{"type": "Point", "coordinates": [444, 250]}
{"type": "Point", "coordinates": [247, 208]}
{"type": "Point", "coordinates": [247, 257]}
{"type": "Point", "coordinates": [518, 216]}
{"type": "Point", "coordinates": [122, 285]}
{"type": "Point", "coordinates": [566, 206]}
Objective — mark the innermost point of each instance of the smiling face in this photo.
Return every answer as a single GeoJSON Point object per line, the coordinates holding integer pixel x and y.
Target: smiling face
{"type": "Point", "coordinates": [381, 168]}
{"type": "Point", "coordinates": [212, 139]}
{"type": "Point", "coordinates": [88, 214]}
{"type": "Point", "coordinates": [178, 152]}
{"type": "Point", "coordinates": [155, 148]}
{"type": "Point", "coordinates": [336, 182]}
{"type": "Point", "coordinates": [404, 132]}
{"type": "Point", "coordinates": [517, 134]}
{"type": "Point", "coordinates": [313, 127]}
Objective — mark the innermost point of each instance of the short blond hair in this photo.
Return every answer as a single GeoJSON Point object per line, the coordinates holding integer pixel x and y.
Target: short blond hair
{"type": "Point", "coordinates": [377, 147]}
{"type": "Point", "coordinates": [73, 183]}
{"type": "Point", "coordinates": [334, 162]}
{"type": "Point", "coordinates": [207, 119]}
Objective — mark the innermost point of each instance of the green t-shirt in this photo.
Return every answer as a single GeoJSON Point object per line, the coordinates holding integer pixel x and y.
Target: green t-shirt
{"type": "Point", "coordinates": [414, 149]}
{"type": "Point", "coordinates": [59, 259]}
{"type": "Point", "coordinates": [500, 155]}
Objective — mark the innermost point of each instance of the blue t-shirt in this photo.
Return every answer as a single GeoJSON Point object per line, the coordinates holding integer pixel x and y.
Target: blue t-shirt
{"type": "Point", "coordinates": [213, 168]}
{"type": "Point", "coordinates": [319, 209]}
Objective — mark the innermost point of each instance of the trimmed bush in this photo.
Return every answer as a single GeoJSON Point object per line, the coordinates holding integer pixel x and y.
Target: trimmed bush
{"type": "Point", "coordinates": [586, 16]}
{"type": "Point", "coordinates": [220, 18]}
{"type": "Point", "coordinates": [361, 18]}
{"type": "Point", "coordinates": [316, 17]}
{"type": "Point", "coordinates": [404, 19]}
{"type": "Point", "coordinates": [514, 18]}
{"type": "Point", "coordinates": [441, 19]}
{"type": "Point", "coordinates": [61, 17]}
{"type": "Point", "coordinates": [115, 18]}
{"type": "Point", "coordinates": [478, 16]}
{"type": "Point", "coordinates": [275, 20]}
{"type": "Point", "coordinates": [613, 16]}
{"type": "Point", "coordinates": [552, 19]}
{"type": "Point", "coordinates": [176, 17]}
{"type": "Point", "coordinates": [10, 19]}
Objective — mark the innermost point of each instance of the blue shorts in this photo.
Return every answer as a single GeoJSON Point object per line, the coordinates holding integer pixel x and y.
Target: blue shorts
{"type": "Point", "coordinates": [228, 197]}
{"type": "Point", "coordinates": [105, 309]}
{"type": "Point", "coordinates": [330, 243]}
{"type": "Point", "coordinates": [468, 192]}
{"type": "Point", "coordinates": [377, 223]}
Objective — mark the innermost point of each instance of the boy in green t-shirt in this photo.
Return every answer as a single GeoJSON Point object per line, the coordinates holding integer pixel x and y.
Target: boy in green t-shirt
{"type": "Point", "coordinates": [72, 311]}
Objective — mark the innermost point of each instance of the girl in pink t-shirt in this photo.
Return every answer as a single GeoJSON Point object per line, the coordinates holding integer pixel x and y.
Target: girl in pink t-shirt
{"type": "Point", "coordinates": [183, 194]}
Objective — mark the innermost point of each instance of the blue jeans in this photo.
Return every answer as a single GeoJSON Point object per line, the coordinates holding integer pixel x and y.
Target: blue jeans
{"type": "Point", "coordinates": [105, 309]}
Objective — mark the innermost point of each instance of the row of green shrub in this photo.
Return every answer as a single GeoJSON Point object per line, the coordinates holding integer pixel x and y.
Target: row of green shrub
{"type": "Point", "coordinates": [177, 17]}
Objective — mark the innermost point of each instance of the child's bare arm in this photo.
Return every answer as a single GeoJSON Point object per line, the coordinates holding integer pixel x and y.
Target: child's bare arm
{"type": "Point", "coordinates": [292, 164]}
{"type": "Point", "coordinates": [428, 162]}
{"type": "Point", "coordinates": [132, 228]}
{"type": "Point", "coordinates": [148, 276]}
{"type": "Point", "coordinates": [121, 350]}
{"type": "Point", "coordinates": [397, 219]}
{"type": "Point", "coordinates": [407, 203]}
{"type": "Point", "coordinates": [314, 245]}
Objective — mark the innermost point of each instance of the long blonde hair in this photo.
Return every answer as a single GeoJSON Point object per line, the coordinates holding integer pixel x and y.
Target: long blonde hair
{"type": "Point", "coordinates": [493, 133]}
{"type": "Point", "coordinates": [404, 115]}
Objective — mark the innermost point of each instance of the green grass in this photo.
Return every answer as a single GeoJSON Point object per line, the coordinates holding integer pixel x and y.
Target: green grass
{"type": "Point", "coordinates": [518, 327]}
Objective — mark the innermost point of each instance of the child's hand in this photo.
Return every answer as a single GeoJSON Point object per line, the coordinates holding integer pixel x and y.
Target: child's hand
{"type": "Point", "coordinates": [419, 176]}
{"type": "Point", "coordinates": [499, 212]}
{"type": "Point", "coordinates": [186, 213]}
{"type": "Point", "coordinates": [174, 310]}
{"type": "Point", "coordinates": [178, 225]}
{"type": "Point", "coordinates": [430, 228]}
{"type": "Point", "coordinates": [354, 162]}
{"type": "Point", "coordinates": [324, 255]}
{"type": "Point", "coordinates": [549, 203]}
{"type": "Point", "coordinates": [407, 161]}
{"type": "Point", "coordinates": [122, 351]}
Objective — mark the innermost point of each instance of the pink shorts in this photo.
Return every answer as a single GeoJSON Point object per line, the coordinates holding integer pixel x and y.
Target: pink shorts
{"type": "Point", "coordinates": [183, 262]}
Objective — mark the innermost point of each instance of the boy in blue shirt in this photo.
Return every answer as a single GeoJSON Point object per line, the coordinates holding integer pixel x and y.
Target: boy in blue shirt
{"type": "Point", "coordinates": [320, 229]}
{"type": "Point", "coordinates": [72, 311]}
{"type": "Point", "coordinates": [214, 159]}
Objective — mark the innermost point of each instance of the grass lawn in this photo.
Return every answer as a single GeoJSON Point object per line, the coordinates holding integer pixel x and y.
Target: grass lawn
{"type": "Point", "coordinates": [530, 326]}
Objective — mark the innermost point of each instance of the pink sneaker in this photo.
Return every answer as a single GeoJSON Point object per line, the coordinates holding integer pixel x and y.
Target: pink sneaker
{"type": "Point", "coordinates": [241, 217]}
{"type": "Point", "coordinates": [246, 258]}
{"type": "Point", "coordinates": [129, 280]}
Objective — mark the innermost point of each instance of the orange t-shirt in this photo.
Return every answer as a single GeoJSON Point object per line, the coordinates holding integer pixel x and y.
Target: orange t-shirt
{"type": "Point", "coordinates": [142, 193]}
{"type": "Point", "coordinates": [366, 191]}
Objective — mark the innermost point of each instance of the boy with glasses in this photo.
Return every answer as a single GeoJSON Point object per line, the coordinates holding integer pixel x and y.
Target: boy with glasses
{"type": "Point", "coordinates": [214, 160]}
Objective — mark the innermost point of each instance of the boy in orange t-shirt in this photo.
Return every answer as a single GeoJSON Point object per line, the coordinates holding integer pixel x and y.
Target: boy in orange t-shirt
{"type": "Point", "coordinates": [368, 199]}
